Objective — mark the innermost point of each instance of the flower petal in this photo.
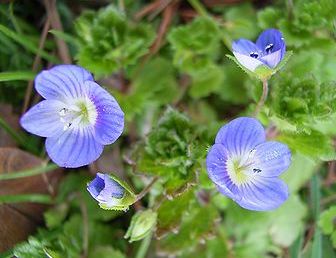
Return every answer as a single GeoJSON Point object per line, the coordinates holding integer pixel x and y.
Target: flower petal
{"type": "Point", "coordinates": [216, 165]}
{"type": "Point", "coordinates": [62, 82]}
{"type": "Point", "coordinates": [245, 47]}
{"type": "Point", "coordinates": [225, 191]}
{"type": "Point", "coordinates": [263, 194]}
{"type": "Point", "coordinates": [273, 59]}
{"type": "Point", "coordinates": [111, 190]}
{"type": "Point", "coordinates": [272, 158]}
{"type": "Point", "coordinates": [274, 37]}
{"type": "Point", "coordinates": [96, 185]}
{"type": "Point", "coordinates": [43, 119]}
{"type": "Point", "coordinates": [76, 147]}
{"type": "Point", "coordinates": [241, 135]}
{"type": "Point", "coordinates": [248, 62]}
{"type": "Point", "coordinates": [110, 118]}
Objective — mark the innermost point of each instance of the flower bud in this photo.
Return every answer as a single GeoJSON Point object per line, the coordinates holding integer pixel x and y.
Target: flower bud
{"type": "Point", "coordinates": [110, 192]}
{"type": "Point", "coordinates": [143, 222]}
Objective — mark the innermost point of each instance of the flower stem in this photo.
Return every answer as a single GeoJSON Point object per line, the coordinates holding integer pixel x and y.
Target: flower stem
{"type": "Point", "coordinates": [141, 253]}
{"type": "Point", "coordinates": [262, 99]}
{"type": "Point", "coordinates": [146, 189]}
{"type": "Point", "coordinates": [198, 7]}
{"type": "Point", "coordinates": [84, 212]}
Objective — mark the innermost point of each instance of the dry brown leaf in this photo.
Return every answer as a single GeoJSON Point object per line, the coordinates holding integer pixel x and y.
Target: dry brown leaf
{"type": "Point", "coordinates": [19, 220]}
{"type": "Point", "coordinates": [6, 112]}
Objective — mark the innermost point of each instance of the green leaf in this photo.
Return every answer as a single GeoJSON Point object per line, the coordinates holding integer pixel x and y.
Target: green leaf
{"type": "Point", "coordinates": [314, 144]}
{"type": "Point", "coordinates": [327, 223]}
{"type": "Point", "coordinates": [287, 221]}
{"type": "Point", "coordinates": [108, 41]}
{"type": "Point", "coordinates": [195, 45]}
{"type": "Point", "coordinates": [272, 229]}
{"type": "Point", "coordinates": [56, 215]}
{"type": "Point", "coordinates": [293, 176]}
{"type": "Point", "coordinates": [142, 224]}
{"type": "Point", "coordinates": [172, 151]}
{"type": "Point", "coordinates": [17, 76]}
{"type": "Point", "coordinates": [269, 17]}
{"type": "Point", "coordinates": [32, 248]}
{"type": "Point", "coordinates": [197, 226]}
{"type": "Point", "coordinates": [155, 85]}
{"type": "Point", "coordinates": [240, 22]}
{"type": "Point", "coordinates": [106, 252]}
{"type": "Point", "coordinates": [171, 212]}
{"type": "Point", "coordinates": [206, 81]}
{"type": "Point", "coordinates": [27, 43]}
{"type": "Point", "coordinates": [201, 36]}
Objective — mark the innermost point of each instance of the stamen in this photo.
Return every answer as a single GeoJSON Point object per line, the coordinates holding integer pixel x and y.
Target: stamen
{"type": "Point", "coordinates": [80, 113]}
{"type": "Point", "coordinates": [254, 55]}
{"type": "Point", "coordinates": [257, 170]}
{"type": "Point", "coordinates": [67, 126]}
{"type": "Point", "coordinates": [269, 48]}
{"type": "Point", "coordinates": [63, 111]}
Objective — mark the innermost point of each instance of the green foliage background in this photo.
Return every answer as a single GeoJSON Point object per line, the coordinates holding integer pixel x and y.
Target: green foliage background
{"type": "Point", "coordinates": [175, 98]}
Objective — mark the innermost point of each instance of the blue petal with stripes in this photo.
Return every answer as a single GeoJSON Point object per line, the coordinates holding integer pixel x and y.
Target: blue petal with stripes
{"type": "Point", "coordinates": [245, 167]}
{"type": "Point", "coordinates": [78, 117]}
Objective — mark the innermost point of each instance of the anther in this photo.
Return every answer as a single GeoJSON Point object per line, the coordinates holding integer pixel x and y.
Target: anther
{"type": "Point", "coordinates": [269, 48]}
{"type": "Point", "coordinates": [63, 111]}
{"type": "Point", "coordinates": [256, 170]}
{"type": "Point", "coordinates": [254, 55]}
{"type": "Point", "coordinates": [67, 126]}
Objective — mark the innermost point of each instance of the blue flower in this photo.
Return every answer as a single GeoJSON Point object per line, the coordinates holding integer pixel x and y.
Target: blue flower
{"type": "Point", "coordinates": [106, 190]}
{"type": "Point", "coordinates": [245, 167]}
{"type": "Point", "coordinates": [269, 50]}
{"type": "Point", "coordinates": [77, 117]}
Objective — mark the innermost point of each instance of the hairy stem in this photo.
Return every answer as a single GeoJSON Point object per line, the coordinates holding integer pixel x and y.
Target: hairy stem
{"type": "Point", "coordinates": [141, 253]}
{"type": "Point", "coordinates": [262, 99]}
{"type": "Point", "coordinates": [198, 7]}
{"type": "Point", "coordinates": [84, 212]}
{"type": "Point", "coordinates": [146, 189]}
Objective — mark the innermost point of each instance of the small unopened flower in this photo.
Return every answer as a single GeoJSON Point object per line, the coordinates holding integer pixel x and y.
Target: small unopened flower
{"type": "Point", "coordinates": [78, 117]}
{"type": "Point", "coordinates": [269, 50]}
{"type": "Point", "coordinates": [245, 167]}
{"type": "Point", "coordinates": [110, 192]}
{"type": "Point", "coordinates": [142, 224]}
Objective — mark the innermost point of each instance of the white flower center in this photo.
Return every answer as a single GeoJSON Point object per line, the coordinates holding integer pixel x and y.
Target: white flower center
{"type": "Point", "coordinates": [82, 112]}
{"type": "Point", "coordinates": [242, 169]}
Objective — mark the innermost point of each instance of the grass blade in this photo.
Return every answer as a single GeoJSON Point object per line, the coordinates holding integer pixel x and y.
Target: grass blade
{"type": "Point", "coordinates": [316, 206]}
{"type": "Point", "coordinates": [27, 44]}
{"type": "Point", "coordinates": [20, 139]}
{"type": "Point", "coordinates": [17, 137]}
{"type": "Point", "coordinates": [17, 76]}
{"type": "Point", "coordinates": [37, 198]}
{"type": "Point", "coordinates": [29, 172]}
{"type": "Point", "coordinates": [65, 37]}
{"type": "Point", "coordinates": [317, 244]}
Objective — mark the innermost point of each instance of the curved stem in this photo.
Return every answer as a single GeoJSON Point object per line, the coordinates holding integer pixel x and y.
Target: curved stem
{"type": "Point", "coordinates": [146, 189]}
{"type": "Point", "coordinates": [262, 99]}
{"type": "Point", "coordinates": [84, 212]}
{"type": "Point", "coordinates": [198, 7]}
{"type": "Point", "coordinates": [141, 253]}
